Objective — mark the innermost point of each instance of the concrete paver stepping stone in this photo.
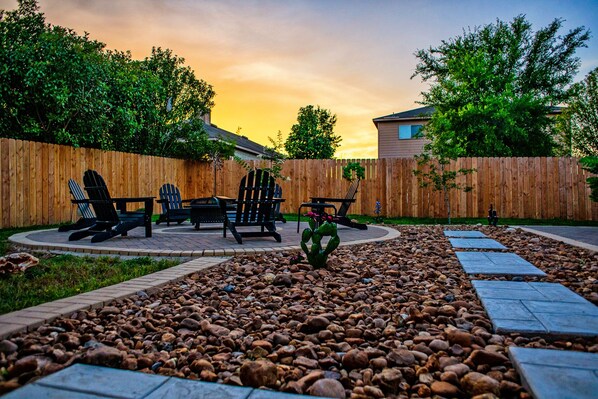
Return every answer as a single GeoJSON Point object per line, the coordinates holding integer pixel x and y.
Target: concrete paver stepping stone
{"type": "Point", "coordinates": [554, 374]}
{"type": "Point", "coordinates": [476, 243]}
{"type": "Point", "coordinates": [465, 234]}
{"type": "Point", "coordinates": [82, 381]}
{"type": "Point", "coordinates": [537, 308]}
{"type": "Point", "coordinates": [497, 263]}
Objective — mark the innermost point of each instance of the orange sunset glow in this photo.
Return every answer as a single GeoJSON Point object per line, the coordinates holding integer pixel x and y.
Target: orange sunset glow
{"type": "Point", "coordinates": [266, 59]}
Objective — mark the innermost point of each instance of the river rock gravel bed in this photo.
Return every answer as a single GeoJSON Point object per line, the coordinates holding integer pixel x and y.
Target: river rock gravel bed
{"type": "Point", "coordinates": [395, 319]}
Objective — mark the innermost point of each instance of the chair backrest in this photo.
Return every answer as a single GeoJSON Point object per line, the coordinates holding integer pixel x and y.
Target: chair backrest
{"type": "Point", "coordinates": [78, 195]}
{"type": "Point", "coordinates": [99, 196]}
{"type": "Point", "coordinates": [344, 208]}
{"type": "Point", "coordinates": [254, 203]}
{"type": "Point", "coordinates": [277, 194]}
{"type": "Point", "coordinates": [171, 197]}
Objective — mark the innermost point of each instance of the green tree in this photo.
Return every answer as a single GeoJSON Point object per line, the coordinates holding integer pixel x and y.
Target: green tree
{"type": "Point", "coordinates": [579, 121]}
{"type": "Point", "coordinates": [312, 137]}
{"type": "Point", "coordinates": [591, 164]}
{"type": "Point", "coordinates": [435, 172]}
{"type": "Point", "coordinates": [492, 87]}
{"type": "Point", "coordinates": [59, 87]}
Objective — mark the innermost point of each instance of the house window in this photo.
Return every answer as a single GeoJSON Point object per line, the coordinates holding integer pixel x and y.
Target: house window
{"type": "Point", "coordinates": [409, 131]}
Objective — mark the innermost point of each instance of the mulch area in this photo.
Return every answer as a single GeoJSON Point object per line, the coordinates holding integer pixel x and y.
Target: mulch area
{"type": "Point", "coordinates": [396, 319]}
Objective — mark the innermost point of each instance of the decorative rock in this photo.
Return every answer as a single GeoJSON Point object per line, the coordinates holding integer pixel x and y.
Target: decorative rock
{"type": "Point", "coordinates": [16, 263]}
{"type": "Point", "coordinates": [302, 361]}
{"type": "Point", "coordinates": [201, 364]}
{"type": "Point", "coordinates": [283, 279]}
{"type": "Point", "coordinates": [355, 359]}
{"type": "Point", "coordinates": [260, 373]}
{"type": "Point", "coordinates": [262, 344]}
{"type": "Point", "coordinates": [476, 383]}
{"type": "Point", "coordinates": [8, 347]}
{"type": "Point", "coordinates": [327, 388]}
{"type": "Point", "coordinates": [442, 388]}
{"type": "Point", "coordinates": [105, 356]}
{"type": "Point", "coordinates": [459, 337]}
{"type": "Point", "coordinates": [189, 324]}
{"type": "Point", "coordinates": [108, 310]}
{"type": "Point", "coordinates": [400, 357]}
{"type": "Point", "coordinates": [438, 345]}
{"type": "Point", "coordinates": [317, 323]}
{"type": "Point", "coordinates": [479, 357]}
{"type": "Point", "coordinates": [389, 380]}
{"type": "Point", "coordinates": [459, 369]}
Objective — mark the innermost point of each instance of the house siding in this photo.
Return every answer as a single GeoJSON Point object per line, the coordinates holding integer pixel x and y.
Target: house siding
{"type": "Point", "coordinates": [389, 145]}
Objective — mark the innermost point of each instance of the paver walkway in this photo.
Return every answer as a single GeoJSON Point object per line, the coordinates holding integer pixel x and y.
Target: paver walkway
{"type": "Point", "coordinates": [497, 263]}
{"type": "Point", "coordinates": [581, 236]}
{"type": "Point", "coordinates": [537, 308]}
{"type": "Point", "coordinates": [554, 374]}
{"type": "Point", "coordinates": [184, 240]}
{"type": "Point", "coordinates": [92, 382]}
{"type": "Point", "coordinates": [465, 234]}
{"type": "Point", "coordinates": [476, 243]}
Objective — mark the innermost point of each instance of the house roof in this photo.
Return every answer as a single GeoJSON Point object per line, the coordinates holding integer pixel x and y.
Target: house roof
{"type": "Point", "coordinates": [417, 113]}
{"type": "Point", "coordinates": [426, 113]}
{"type": "Point", "coordinates": [241, 142]}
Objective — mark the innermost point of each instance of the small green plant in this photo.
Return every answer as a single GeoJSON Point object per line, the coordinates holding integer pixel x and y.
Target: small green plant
{"type": "Point", "coordinates": [319, 227]}
{"type": "Point", "coordinates": [353, 167]}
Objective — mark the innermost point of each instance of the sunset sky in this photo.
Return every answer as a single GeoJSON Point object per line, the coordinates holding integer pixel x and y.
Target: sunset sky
{"type": "Point", "coordinates": [266, 59]}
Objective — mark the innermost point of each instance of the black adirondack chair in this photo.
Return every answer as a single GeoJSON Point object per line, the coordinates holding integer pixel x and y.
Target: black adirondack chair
{"type": "Point", "coordinates": [341, 213]}
{"type": "Point", "coordinates": [278, 194]}
{"type": "Point", "coordinates": [87, 218]}
{"type": "Point", "coordinates": [109, 222]}
{"type": "Point", "coordinates": [255, 207]}
{"type": "Point", "coordinates": [173, 209]}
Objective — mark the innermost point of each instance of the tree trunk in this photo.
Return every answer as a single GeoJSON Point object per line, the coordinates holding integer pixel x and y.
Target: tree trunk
{"type": "Point", "coordinates": [448, 203]}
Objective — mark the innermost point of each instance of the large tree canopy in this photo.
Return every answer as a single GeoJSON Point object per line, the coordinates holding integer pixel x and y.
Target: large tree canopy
{"type": "Point", "coordinates": [579, 121]}
{"type": "Point", "coordinates": [493, 87]}
{"type": "Point", "coordinates": [59, 87]}
{"type": "Point", "coordinates": [312, 137]}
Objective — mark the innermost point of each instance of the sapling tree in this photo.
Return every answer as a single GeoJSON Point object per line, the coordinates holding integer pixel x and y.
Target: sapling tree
{"type": "Point", "coordinates": [435, 172]}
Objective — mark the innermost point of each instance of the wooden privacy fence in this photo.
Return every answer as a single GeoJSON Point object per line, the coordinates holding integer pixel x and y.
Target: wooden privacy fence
{"type": "Point", "coordinates": [34, 187]}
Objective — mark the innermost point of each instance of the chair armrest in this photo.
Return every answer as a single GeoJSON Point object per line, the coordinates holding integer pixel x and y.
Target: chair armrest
{"type": "Point", "coordinates": [82, 201]}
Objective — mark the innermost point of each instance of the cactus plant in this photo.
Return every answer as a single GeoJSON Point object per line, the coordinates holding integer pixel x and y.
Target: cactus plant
{"type": "Point", "coordinates": [319, 227]}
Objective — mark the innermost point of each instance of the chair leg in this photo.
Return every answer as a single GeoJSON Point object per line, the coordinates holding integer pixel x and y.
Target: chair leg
{"type": "Point", "coordinates": [81, 234]}
{"type": "Point", "coordinates": [82, 223]}
{"type": "Point", "coordinates": [272, 229]}
{"type": "Point", "coordinates": [233, 230]}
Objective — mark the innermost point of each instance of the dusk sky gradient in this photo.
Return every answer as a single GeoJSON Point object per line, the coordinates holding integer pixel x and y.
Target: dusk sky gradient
{"type": "Point", "coordinates": [266, 59]}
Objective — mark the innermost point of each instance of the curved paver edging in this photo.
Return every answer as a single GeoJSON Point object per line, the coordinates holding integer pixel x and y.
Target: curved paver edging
{"type": "Point", "coordinates": [556, 237]}
{"type": "Point", "coordinates": [234, 249]}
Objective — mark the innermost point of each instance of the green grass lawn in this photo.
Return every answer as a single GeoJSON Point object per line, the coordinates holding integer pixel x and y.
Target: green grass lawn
{"type": "Point", "coordinates": [61, 276]}
{"type": "Point", "coordinates": [484, 221]}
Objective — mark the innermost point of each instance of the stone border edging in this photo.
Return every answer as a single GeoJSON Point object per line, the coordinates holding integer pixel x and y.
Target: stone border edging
{"type": "Point", "coordinates": [559, 238]}
{"type": "Point", "coordinates": [30, 318]}
{"type": "Point", "coordinates": [21, 239]}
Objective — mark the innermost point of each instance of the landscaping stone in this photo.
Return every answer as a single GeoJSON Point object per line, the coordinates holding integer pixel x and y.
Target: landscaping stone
{"type": "Point", "coordinates": [549, 374]}
{"type": "Point", "coordinates": [476, 243]}
{"type": "Point", "coordinates": [537, 308]}
{"type": "Point", "coordinates": [406, 304]}
{"type": "Point", "coordinates": [497, 263]}
{"type": "Point", "coordinates": [464, 234]}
